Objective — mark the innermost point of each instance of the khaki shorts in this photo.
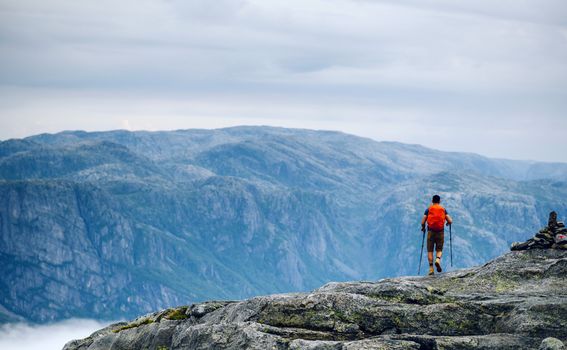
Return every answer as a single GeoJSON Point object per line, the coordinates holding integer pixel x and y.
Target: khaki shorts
{"type": "Point", "coordinates": [435, 238]}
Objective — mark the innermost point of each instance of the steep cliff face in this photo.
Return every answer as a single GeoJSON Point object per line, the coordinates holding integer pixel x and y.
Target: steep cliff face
{"type": "Point", "coordinates": [512, 302]}
{"type": "Point", "coordinates": [114, 224]}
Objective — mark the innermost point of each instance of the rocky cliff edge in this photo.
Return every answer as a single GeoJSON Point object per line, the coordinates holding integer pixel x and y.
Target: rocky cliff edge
{"type": "Point", "coordinates": [512, 302]}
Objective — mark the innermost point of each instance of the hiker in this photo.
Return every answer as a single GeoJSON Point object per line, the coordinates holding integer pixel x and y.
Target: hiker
{"type": "Point", "coordinates": [435, 216]}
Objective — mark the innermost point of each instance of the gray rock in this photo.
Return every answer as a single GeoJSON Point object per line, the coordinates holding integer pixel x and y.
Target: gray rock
{"type": "Point", "coordinates": [512, 302]}
{"type": "Point", "coordinates": [552, 236]}
{"type": "Point", "coordinates": [551, 343]}
{"type": "Point", "coordinates": [552, 221]}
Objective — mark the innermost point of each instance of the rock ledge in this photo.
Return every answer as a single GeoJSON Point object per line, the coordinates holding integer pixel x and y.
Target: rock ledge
{"type": "Point", "coordinates": [512, 302]}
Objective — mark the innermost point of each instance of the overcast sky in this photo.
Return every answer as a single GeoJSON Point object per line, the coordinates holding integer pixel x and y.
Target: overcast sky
{"type": "Point", "coordinates": [482, 76]}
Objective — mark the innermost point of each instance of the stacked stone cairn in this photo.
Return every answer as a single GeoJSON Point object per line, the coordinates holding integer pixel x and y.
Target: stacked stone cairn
{"type": "Point", "coordinates": [554, 236]}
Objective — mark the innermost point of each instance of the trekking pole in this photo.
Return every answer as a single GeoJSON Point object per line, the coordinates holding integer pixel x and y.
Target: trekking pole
{"type": "Point", "coordinates": [451, 243]}
{"type": "Point", "coordinates": [421, 253]}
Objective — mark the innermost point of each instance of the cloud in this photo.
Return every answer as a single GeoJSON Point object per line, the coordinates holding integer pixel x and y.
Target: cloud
{"type": "Point", "coordinates": [183, 45]}
{"type": "Point", "coordinates": [458, 64]}
{"type": "Point", "coordinates": [54, 336]}
{"type": "Point", "coordinates": [549, 12]}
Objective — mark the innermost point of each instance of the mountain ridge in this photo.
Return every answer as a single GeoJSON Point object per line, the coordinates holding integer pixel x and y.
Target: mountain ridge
{"type": "Point", "coordinates": [140, 221]}
{"type": "Point", "coordinates": [522, 166]}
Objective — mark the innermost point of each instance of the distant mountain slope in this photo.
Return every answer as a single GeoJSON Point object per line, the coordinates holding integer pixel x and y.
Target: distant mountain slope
{"type": "Point", "coordinates": [332, 145]}
{"type": "Point", "coordinates": [113, 224]}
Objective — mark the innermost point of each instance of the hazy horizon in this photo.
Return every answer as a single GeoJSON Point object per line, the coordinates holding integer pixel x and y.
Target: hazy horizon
{"type": "Point", "coordinates": [299, 128]}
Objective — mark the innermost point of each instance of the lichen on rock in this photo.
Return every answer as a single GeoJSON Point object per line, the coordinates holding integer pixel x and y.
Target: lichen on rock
{"type": "Point", "coordinates": [512, 302]}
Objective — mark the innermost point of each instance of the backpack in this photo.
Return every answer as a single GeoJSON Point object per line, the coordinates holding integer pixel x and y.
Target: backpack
{"type": "Point", "coordinates": [436, 217]}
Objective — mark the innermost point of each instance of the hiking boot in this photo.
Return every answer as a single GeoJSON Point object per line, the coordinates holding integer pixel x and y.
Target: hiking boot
{"type": "Point", "coordinates": [431, 270]}
{"type": "Point", "coordinates": [438, 264]}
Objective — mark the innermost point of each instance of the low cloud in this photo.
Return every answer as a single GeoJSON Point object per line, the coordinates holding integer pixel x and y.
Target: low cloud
{"type": "Point", "coordinates": [53, 336]}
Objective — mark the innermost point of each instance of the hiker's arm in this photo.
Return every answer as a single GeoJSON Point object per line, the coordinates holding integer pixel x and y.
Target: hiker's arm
{"type": "Point", "coordinates": [449, 220]}
{"type": "Point", "coordinates": [423, 220]}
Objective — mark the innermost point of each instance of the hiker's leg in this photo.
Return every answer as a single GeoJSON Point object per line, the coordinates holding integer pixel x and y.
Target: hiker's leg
{"type": "Point", "coordinates": [430, 246]}
{"type": "Point", "coordinates": [439, 242]}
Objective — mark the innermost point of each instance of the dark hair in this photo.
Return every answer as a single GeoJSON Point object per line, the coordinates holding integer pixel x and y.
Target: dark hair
{"type": "Point", "coordinates": [436, 199]}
